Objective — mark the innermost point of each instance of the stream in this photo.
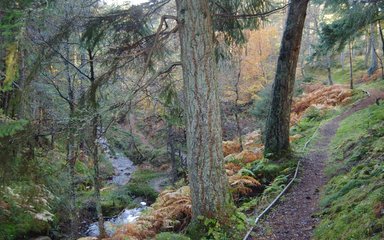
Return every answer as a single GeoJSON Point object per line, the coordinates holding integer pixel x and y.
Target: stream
{"type": "Point", "coordinates": [124, 168]}
{"type": "Point", "coordinates": [122, 165]}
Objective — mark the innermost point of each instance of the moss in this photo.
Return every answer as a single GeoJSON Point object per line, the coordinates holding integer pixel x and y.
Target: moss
{"type": "Point", "coordinates": [171, 236]}
{"type": "Point", "coordinates": [308, 126]}
{"type": "Point", "coordinates": [356, 188]}
{"type": "Point", "coordinates": [139, 185]}
{"type": "Point", "coordinates": [115, 199]}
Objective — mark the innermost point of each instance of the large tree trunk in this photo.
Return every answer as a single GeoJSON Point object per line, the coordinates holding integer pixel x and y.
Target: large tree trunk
{"type": "Point", "coordinates": [207, 178]}
{"type": "Point", "coordinates": [277, 126]}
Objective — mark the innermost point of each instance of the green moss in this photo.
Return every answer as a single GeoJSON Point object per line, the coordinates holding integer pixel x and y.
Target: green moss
{"type": "Point", "coordinates": [139, 185]}
{"type": "Point", "coordinates": [308, 126]}
{"type": "Point", "coordinates": [356, 188]}
{"type": "Point", "coordinates": [171, 236]}
{"type": "Point", "coordinates": [116, 199]}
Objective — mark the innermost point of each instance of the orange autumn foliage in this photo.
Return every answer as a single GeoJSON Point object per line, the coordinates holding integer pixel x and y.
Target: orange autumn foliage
{"type": "Point", "coordinates": [171, 211]}
{"type": "Point", "coordinates": [321, 97]}
{"type": "Point", "coordinates": [242, 185]}
{"type": "Point", "coordinates": [248, 156]}
{"type": "Point", "coordinates": [230, 147]}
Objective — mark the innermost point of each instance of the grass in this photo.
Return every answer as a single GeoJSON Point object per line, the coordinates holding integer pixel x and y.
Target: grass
{"type": "Point", "coordinates": [352, 202]}
{"type": "Point", "coordinates": [378, 85]}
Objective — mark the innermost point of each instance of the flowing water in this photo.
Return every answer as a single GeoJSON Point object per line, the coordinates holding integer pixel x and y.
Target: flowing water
{"type": "Point", "coordinates": [126, 216]}
{"type": "Point", "coordinates": [122, 165]}
{"type": "Point", "coordinates": [124, 168]}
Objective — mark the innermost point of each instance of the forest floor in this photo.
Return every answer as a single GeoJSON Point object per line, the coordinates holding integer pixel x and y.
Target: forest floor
{"type": "Point", "coordinates": [295, 217]}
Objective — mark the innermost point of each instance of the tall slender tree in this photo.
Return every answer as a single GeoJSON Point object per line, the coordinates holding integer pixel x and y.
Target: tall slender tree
{"type": "Point", "coordinates": [277, 125]}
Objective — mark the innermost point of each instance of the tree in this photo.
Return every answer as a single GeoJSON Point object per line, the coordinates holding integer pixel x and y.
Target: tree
{"type": "Point", "coordinates": [372, 40]}
{"type": "Point", "coordinates": [277, 125]}
{"type": "Point", "coordinates": [351, 20]}
{"type": "Point", "coordinates": [209, 186]}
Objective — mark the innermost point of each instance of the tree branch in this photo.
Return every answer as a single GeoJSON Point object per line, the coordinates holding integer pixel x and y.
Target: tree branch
{"type": "Point", "coordinates": [256, 15]}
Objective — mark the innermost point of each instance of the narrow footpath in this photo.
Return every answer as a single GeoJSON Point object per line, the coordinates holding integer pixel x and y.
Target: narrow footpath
{"type": "Point", "coordinates": [294, 218]}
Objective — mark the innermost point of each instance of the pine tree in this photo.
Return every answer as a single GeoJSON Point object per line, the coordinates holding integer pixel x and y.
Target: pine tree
{"type": "Point", "coordinates": [277, 125]}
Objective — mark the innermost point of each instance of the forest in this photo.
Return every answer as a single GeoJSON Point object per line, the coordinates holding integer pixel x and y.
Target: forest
{"type": "Point", "coordinates": [191, 119]}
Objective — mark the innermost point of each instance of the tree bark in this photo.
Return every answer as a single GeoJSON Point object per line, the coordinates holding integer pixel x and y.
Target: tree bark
{"type": "Point", "coordinates": [237, 91]}
{"type": "Point", "coordinates": [350, 65]}
{"type": "Point", "coordinates": [374, 64]}
{"type": "Point", "coordinates": [277, 125]}
{"type": "Point", "coordinates": [382, 46]}
{"type": "Point", "coordinates": [329, 64]}
{"type": "Point", "coordinates": [368, 44]}
{"type": "Point", "coordinates": [207, 178]}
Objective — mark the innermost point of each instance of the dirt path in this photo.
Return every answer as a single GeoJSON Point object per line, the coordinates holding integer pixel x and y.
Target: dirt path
{"type": "Point", "coordinates": [294, 217]}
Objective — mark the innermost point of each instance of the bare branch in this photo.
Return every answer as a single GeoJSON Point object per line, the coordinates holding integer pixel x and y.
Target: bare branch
{"type": "Point", "coordinates": [57, 88]}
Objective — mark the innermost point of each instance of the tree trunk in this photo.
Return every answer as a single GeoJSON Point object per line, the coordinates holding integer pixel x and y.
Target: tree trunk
{"type": "Point", "coordinates": [207, 178]}
{"type": "Point", "coordinates": [237, 91]}
{"type": "Point", "coordinates": [368, 47]}
{"type": "Point", "coordinates": [350, 65]}
{"type": "Point", "coordinates": [172, 153]}
{"type": "Point", "coordinates": [374, 64]}
{"type": "Point", "coordinates": [92, 104]}
{"type": "Point", "coordinates": [95, 156]}
{"type": "Point", "coordinates": [71, 159]}
{"type": "Point", "coordinates": [71, 148]}
{"type": "Point", "coordinates": [277, 125]}
{"type": "Point", "coordinates": [382, 45]}
{"type": "Point", "coordinates": [342, 58]}
{"type": "Point", "coordinates": [329, 64]}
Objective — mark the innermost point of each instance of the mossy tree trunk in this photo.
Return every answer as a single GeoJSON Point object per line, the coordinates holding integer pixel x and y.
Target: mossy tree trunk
{"type": "Point", "coordinates": [207, 178]}
{"type": "Point", "coordinates": [277, 125]}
